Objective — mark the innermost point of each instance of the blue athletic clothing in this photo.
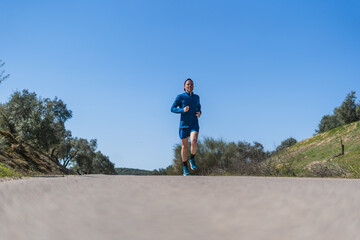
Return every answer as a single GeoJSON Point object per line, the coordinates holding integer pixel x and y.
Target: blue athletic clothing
{"type": "Point", "coordinates": [192, 164]}
{"type": "Point", "coordinates": [186, 171]}
{"type": "Point", "coordinates": [185, 132]}
{"type": "Point", "coordinates": [188, 120]}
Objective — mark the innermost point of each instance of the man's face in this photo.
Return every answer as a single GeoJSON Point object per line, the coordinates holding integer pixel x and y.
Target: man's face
{"type": "Point", "coordinates": [189, 86]}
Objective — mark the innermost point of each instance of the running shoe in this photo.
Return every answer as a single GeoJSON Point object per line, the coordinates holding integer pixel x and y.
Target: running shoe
{"type": "Point", "coordinates": [192, 164]}
{"type": "Point", "coordinates": [186, 171]}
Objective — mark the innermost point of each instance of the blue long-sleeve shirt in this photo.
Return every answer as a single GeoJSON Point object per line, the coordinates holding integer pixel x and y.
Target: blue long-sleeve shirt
{"type": "Point", "coordinates": [187, 119]}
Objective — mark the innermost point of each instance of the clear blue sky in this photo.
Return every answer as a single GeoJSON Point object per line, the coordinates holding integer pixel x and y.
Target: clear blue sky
{"type": "Point", "coordinates": [265, 70]}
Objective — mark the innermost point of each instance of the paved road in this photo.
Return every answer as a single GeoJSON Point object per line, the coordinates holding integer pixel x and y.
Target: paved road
{"type": "Point", "coordinates": [98, 207]}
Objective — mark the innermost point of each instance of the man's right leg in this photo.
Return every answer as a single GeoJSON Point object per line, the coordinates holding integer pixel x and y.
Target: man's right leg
{"type": "Point", "coordinates": [184, 151]}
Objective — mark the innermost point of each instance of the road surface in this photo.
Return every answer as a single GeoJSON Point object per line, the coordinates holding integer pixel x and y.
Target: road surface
{"type": "Point", "coordinates": [98, 207]}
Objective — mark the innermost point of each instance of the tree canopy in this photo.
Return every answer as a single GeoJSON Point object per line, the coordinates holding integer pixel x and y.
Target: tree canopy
{"type": "Point", "coordinates": [286, 143]}
{"type": "Point", "coordinates": [40, 123]}
{"type": "Point", "coordinates": [35, 121]}
{"type": "Point", "coordinates": [348, 112]}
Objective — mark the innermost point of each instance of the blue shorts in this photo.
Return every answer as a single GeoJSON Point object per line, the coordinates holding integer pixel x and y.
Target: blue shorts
{"type": "Point", "coordinates": [185, 132]}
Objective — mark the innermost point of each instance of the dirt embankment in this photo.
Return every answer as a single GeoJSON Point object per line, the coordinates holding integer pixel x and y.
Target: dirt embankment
{"type": "Point", "coordinates": [27, 160]}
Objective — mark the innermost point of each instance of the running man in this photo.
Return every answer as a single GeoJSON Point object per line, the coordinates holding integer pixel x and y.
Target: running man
{"type": "Point", "coordinates": [188, 105]}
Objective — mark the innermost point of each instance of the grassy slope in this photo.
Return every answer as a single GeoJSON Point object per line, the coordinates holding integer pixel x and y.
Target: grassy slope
{"type": "Point", "coordinates": [320, 150]}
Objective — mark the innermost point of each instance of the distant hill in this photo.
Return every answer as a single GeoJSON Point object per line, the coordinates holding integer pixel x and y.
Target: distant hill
{"type": "Point", "coordinates": [132, 171]}
{"type": "Point", "coordinates": [321, 155]}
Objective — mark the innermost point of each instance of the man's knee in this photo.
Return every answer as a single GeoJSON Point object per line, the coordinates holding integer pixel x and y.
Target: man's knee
{"type": "Point", "coordinates": [194, 139]}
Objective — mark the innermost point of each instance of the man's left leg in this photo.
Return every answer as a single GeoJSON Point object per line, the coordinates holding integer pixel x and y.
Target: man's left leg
{"type": "Point", "coordinates": [193, 138]}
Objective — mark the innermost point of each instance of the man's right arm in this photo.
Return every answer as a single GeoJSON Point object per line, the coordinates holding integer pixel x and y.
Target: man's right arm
{"type": "Point", "coordinates": [175, 108]}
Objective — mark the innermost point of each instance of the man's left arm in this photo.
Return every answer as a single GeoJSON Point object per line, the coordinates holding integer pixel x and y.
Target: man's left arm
{"type": "Point", "coordinates": [198, 112]}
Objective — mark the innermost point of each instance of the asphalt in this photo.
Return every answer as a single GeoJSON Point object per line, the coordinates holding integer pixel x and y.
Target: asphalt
{"type": "Point", "coordinates": [98, 207]}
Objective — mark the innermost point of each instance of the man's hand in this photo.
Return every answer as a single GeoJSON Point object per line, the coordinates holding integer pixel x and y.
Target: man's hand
{"type": "Point", "coordinates": [198, 114]}
{"type": "Point", "coordinates": [186, 109]}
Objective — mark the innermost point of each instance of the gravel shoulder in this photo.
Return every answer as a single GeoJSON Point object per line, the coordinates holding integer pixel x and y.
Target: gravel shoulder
{"type": "Point", "coordinates": [174, 207]}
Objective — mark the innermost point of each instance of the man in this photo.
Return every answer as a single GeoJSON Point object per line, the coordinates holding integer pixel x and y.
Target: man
{"type": "Point", "coordinates": [188, 105]}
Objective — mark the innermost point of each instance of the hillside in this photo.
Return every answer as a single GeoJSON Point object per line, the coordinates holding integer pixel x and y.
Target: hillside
{"type": "Point", "coordinates": [131, 171]}
{"type": "Point", "coordinates": [21, 159]}
{"type": "Point", "coordinates": [321, 155]}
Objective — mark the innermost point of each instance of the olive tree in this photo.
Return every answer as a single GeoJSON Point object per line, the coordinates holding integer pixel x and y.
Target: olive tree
{"type": "Point", "coordinates": [347, 111]}
{"type": "Point", "coordinates": [285, 144]}
{"type": "Point", "coordinates": [37, 121]}
{"type": "Point", "coordinates": [86, 160]}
